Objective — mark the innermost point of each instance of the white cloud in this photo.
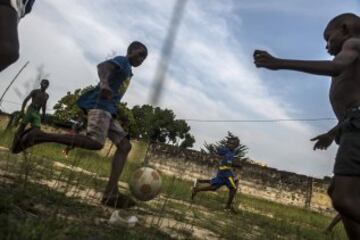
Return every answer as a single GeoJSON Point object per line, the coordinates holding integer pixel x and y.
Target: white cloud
{"type": "Point", "coordinates": [210, 77]}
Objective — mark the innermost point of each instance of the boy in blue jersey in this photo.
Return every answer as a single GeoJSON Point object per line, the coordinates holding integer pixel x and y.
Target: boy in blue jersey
{"type": "Point", "coordinates": [225, 176]}
{"type": "Point", "coordinates": [100, 105]}
{"type": "Point", "coordinates": [10, 13]}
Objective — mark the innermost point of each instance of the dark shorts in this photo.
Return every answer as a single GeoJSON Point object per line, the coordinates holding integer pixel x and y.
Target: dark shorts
{"type": "Point", "coordinates": [347, 161]}
{"type": "Point", "coordinates": [224, 178]}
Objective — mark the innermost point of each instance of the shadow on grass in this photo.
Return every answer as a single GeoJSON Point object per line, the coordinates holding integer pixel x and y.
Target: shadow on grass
{"type": "Point", "coordinates": [39, 212]}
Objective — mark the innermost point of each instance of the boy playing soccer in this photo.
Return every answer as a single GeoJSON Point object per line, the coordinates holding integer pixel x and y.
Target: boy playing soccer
{"type": "Point", "coordinates": [100, 104]}
{"type": "Point", "coordinates": [32, 116]}
{"type": "Point", "coordinates": [225, 176]}
{"type": "Point", "coordinates": [342, 35]}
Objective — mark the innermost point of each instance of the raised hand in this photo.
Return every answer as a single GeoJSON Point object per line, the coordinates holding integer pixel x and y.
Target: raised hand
{"type": "Point", "coordinates": [265, 60]}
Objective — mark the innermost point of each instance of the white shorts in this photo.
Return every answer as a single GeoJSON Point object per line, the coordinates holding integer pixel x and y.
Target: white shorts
{"type": "Point", "coordinates": [101, 125]}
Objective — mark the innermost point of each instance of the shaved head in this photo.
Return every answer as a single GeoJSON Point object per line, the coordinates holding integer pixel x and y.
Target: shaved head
{"type": "Point", "coordinates": [349, 21]}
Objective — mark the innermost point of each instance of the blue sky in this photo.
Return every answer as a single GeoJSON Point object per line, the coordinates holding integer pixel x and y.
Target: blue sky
{"type": "Point", "coordinates": [211, 74]}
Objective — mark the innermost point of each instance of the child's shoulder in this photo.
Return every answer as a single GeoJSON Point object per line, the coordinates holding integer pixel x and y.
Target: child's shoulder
{"type": "Point", "coordinates": [120, 60]}
{"type": "Point", "coordinates": [353, 42]}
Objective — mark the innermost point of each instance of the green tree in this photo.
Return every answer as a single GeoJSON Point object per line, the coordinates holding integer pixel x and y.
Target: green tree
{"type": "Point", "coordinates": [127, 120]}
{"type": "Point", "coordinates": [188, 141]}
{"type": "Point", "coordinates": [240, 151]}
{"type": "Point", "coordinates": [66, 108]}
{"type": "Point", "coordinates": [160, 125]}
{"type": "Point", "coordinates": [142, 122]}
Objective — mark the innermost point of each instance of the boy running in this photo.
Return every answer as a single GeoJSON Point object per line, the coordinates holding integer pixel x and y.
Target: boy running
{"type": "Point", "coordinates": [224, 177]}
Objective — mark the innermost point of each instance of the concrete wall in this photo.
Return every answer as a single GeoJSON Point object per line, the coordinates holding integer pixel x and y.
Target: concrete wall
{"type": "Point", "coordinates": [263, 182]}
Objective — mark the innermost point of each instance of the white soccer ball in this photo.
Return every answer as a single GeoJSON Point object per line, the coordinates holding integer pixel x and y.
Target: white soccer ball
{"type": "Point", "coordinates": [145, 183]}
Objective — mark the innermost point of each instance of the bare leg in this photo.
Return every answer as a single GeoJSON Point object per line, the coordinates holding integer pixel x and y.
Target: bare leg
{"type": "Point", "coordinates": [346, 200]}
{"type": "Point", "coordinates": [352, 228]}
{"type": "Point", "coordinates": [36, 136]}
{"type": "Point", "coordinates": [9, 42]}
{"type": "Point", "coordinates": [333, 223]}
{"type": "Point", "coordinates": [204, 181]}
{"type": "Point", "coordinates": [17, 135]}
{"type": "Point", "coordinates": [202, 189]}
{"type": "Point", "coordinates": [112, 197]}
{"type": "Point", "coordinates": [117, 167]}
{"type": "Point", "coordinates": [232, 193]}
{"type": "Point", "coordinates": [11, 121]}
{"type": "Point", "coordinates": [20, 130]}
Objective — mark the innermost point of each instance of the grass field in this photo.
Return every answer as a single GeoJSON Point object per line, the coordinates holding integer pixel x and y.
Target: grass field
{"type": "Point", "coordinates": [46, 196]}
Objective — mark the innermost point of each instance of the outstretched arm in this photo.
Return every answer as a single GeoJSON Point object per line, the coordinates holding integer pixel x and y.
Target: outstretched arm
{"type": "Point", "coordinates": [348, 54]}
{"type": "Point", "coordinates": [25, 101]}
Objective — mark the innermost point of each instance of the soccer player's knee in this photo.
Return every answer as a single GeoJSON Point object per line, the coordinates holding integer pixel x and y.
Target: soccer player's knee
{"type": "Point", "coordinates": [8, 55]}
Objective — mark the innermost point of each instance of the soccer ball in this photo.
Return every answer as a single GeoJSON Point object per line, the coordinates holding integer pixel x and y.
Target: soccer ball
{"type": "Point", "coordinates": [145, 183]}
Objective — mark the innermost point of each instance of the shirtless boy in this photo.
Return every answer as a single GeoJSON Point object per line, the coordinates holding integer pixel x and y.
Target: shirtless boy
{"type": "Point", "coordinates": [342, 35]}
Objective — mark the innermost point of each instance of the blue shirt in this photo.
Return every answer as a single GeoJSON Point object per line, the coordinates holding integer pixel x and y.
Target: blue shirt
{"type": "Point", "coordinates": [118, 81]}
{"type": "Point", "coordinates": [228, 157]}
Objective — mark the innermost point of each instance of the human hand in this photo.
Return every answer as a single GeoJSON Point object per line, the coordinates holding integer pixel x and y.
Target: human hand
{"type": "Point", "coordinates": [263, 59]}
{"type": "Point", "coordinates": [323, 141]}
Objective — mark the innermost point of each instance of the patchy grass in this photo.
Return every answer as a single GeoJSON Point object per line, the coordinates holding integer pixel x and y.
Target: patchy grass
{"type": "Point", "coordinates": [46, 196]}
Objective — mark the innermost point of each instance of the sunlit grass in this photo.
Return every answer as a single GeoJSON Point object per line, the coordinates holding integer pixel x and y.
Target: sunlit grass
{"type": "Point", "coordinates": [31, 209]}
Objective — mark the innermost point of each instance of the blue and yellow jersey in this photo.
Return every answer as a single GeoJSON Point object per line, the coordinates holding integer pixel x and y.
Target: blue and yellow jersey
{"type": "Point", "coordinates": [228, 157]}
{"type": "Point", "coordinates": [225, 175]}
{"type": "Point", "coordinates": [118, 81]}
